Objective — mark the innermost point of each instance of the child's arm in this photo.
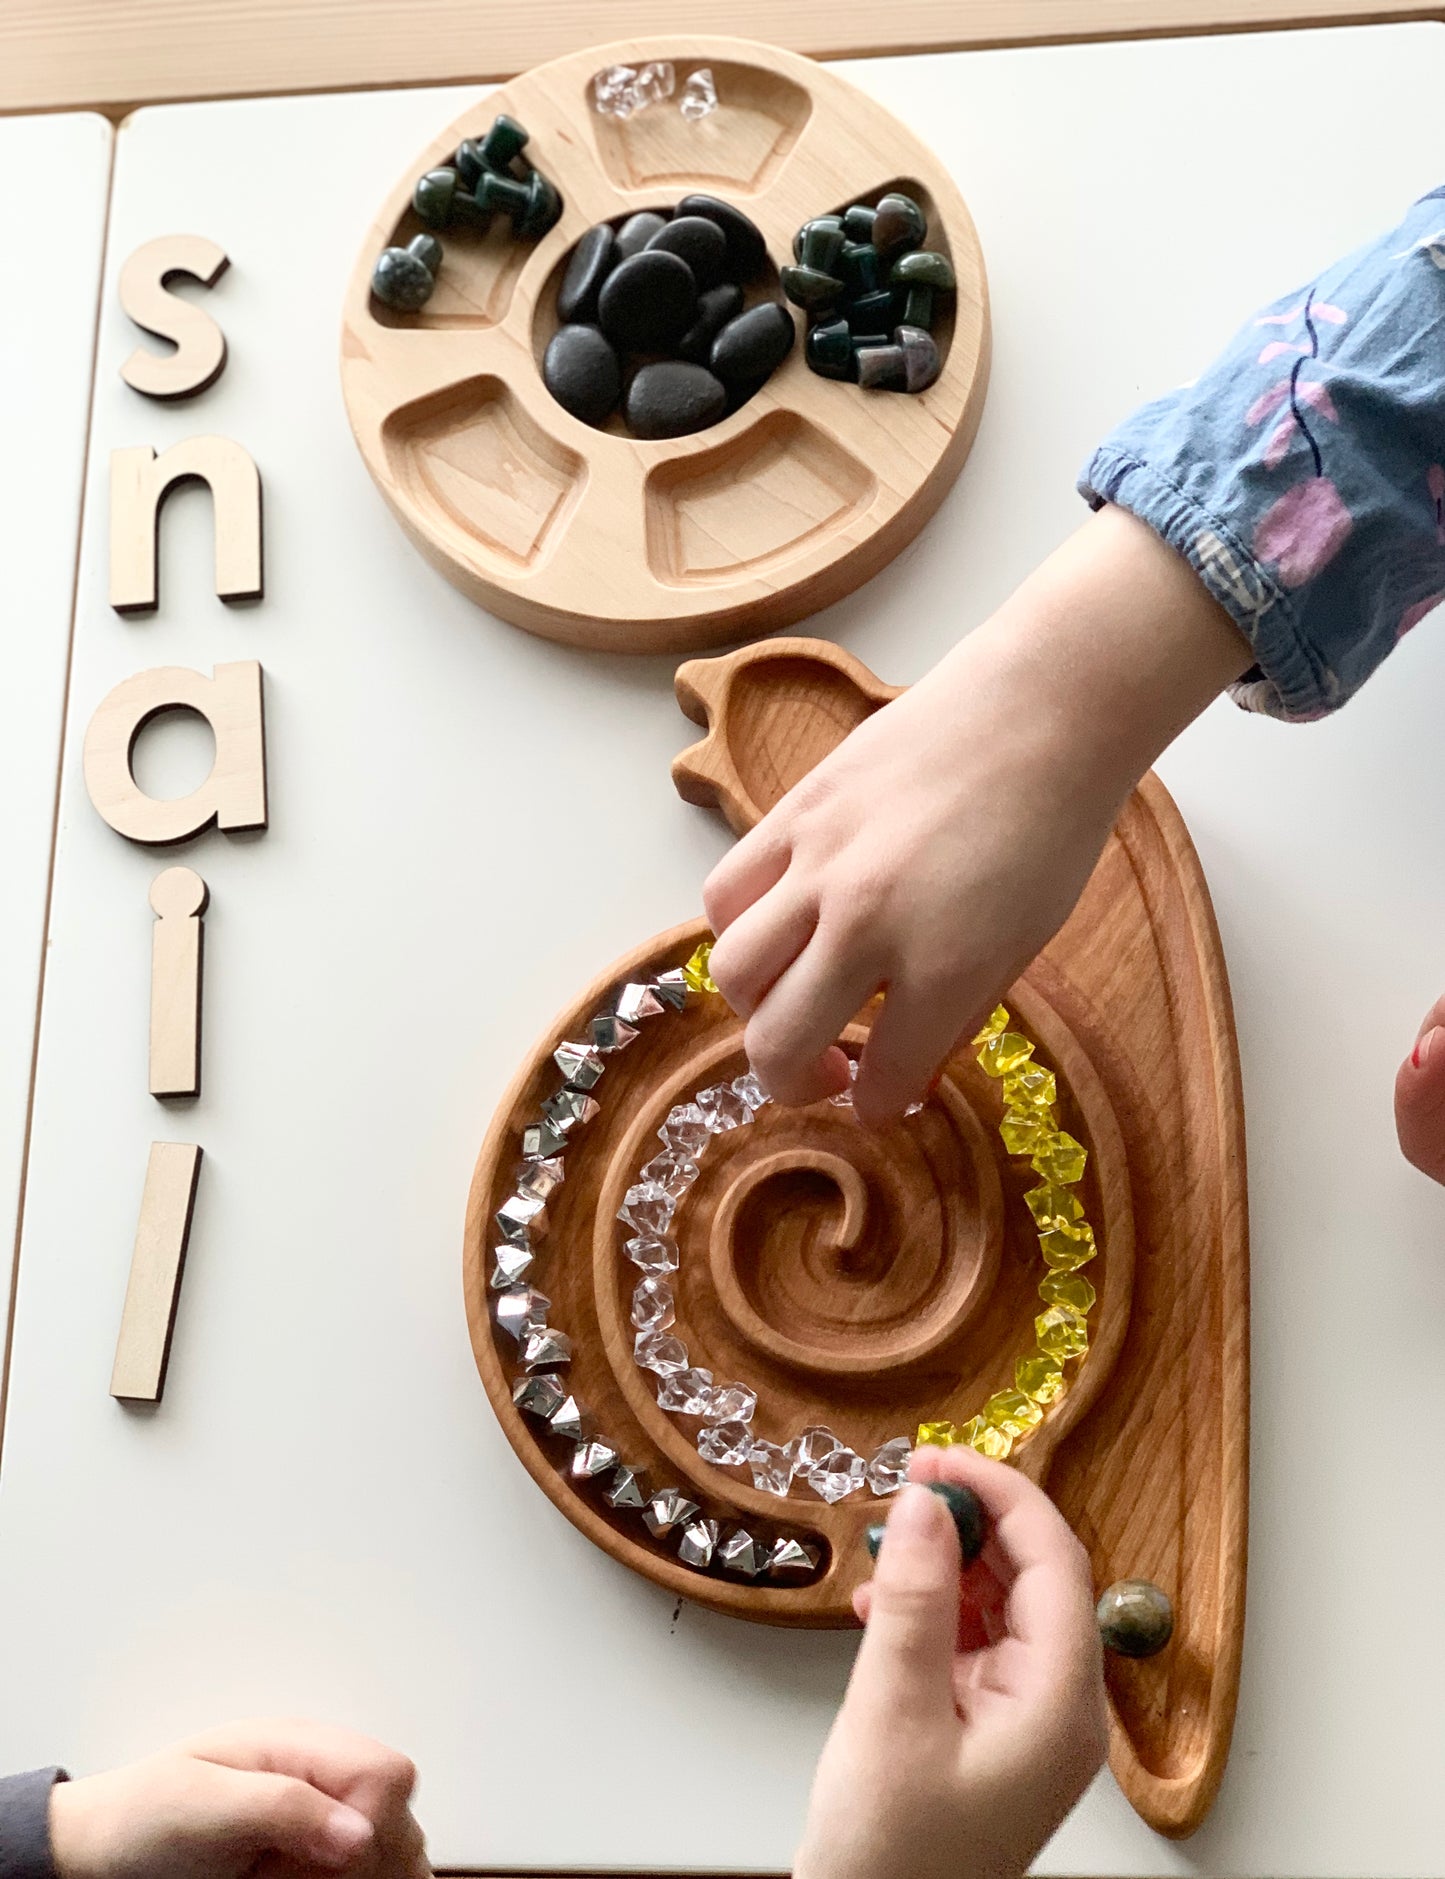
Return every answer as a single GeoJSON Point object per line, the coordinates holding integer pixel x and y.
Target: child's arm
{"type": "Point", "coordinates": [954, 1760]}
{"type": "Point", "coordinates": [273, 1796]}
{"type": "Point", "coordinates": [1275, 526]}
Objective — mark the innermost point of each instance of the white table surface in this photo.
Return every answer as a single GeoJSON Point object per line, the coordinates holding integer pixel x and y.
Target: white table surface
{"type": "Point", "coordinates": [49, 283]}
{"type": "Point", "coordinates": [467, 823]}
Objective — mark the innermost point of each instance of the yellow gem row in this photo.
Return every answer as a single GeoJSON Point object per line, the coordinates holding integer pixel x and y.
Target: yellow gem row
{"type": "Point", "coordinates": [1066, 1241]}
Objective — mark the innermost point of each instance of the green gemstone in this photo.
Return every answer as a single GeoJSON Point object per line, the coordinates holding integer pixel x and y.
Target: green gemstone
{"type": "Point", "coordinates": [504, 141]}
{"type": "Point", "coordinates": [401, 280]}
{"type": "Point", "coordinates": [924, 269]}
{"type": "Point", "coordinates": [808, 288]}
{"type": "Point", "coordinates": [822, 244]}
{"type": "Point", "coordinates": [818, 222]}
{"type": "Point", "coordinates": [468, 162]}
{"type": "Point", "coordinates": [428, 250]}
{"type": "Point", "coordinates": [860, 268]}
{"type": "Point", "coordinates": [873, 1539]}
{"type": "Point", "coordinates": [435, 197]}
{"type": "Point", "coordinates": [881, 368]}
{"type": "Point", "coordinates": [918, 308]}
{"type": "Point", "coordinates": [899, 224]}
{"type": "Point", "coordinates": [858, 222]}
{"type": "Point", "coordinates": [968, 1516]}
{"type": "Point", "coordinates": [829, 349]}
{"type": "Point", "coordinates": [872, 313]}
{"type": "Point", "coordinates": [1135, 1618]}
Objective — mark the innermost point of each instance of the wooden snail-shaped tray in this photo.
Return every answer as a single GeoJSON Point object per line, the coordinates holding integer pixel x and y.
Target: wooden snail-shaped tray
{"type": "Point", "coordinates": [868, 1281]}
{"type": "Point", "coordinates": [603, 540]}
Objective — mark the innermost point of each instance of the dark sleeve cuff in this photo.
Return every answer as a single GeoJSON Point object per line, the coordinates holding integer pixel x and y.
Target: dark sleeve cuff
{"type": "Point", "coordinates": [25, 1824]}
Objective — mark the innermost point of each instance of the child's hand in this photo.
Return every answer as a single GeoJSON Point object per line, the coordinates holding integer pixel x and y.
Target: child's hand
{"type": "Point", "coordinates": [1420, 1097]}
{"type": "Point", "coordinates": [942, 845]}
{"type": "Point", "coordinates": [261, 1798]}
{"type": "Point", "coordinates": [953, 1756]}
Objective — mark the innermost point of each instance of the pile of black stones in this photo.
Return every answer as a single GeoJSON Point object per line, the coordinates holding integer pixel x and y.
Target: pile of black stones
{"type": "Point", "coordinates": [654, 320]}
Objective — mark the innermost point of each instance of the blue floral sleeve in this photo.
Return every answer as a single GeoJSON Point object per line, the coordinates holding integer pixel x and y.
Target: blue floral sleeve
{"type": "Point", "coordinates": [1301, 475]}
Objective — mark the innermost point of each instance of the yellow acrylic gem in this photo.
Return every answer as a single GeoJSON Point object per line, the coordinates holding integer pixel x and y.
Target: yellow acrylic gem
{"type": "Point", "coordinates": [937, 1435]}
{"type": "Point", "coordinates": [1063, 1161]}
{"type": "Point", "coordinates": [1062, 1332]}
{"type": "Point", "coordinates": [1013, 1412]}
{"type": "Point", "coordinates": [1004, 1053]}
{"type": "Point", "coordinates": [997, 1023]}
{"type": "Point", "coordinates": [995, 1443]}
{"type": "Point", "coordinates": [696, 972]}
{"type": "Point", "coordinates": [1064, 1248]}
{"type": "Point", "coordinates": [1041, 1378]}
{"type": "Point", "coordinates": [972, 1431]}
{"type": "Point", "coordinates": [1033, 1087]}
{"type": "Point", "coordinates": [1049, 1203]}
{"type": "Point", "coordinates": [1068, 1288]}
{"type": "Point", "coordinates": [1026, 1130]}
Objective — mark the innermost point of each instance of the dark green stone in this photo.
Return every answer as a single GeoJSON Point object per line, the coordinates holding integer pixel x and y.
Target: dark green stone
{"type": "Point", "coordinates": [918, 307]}
{"type": "Point", "coordinates": [1135, 1618]}
{"type": "Point", "coordinates": [899, 224]}
{"type": "Point", "coordinates": [882, 368]}
{"type": "Point", "coordinates": [401, 280]}
{"type": "Point", "coordinates": [872, 313]}
{"type": "Point", "coordinates": [435, 197]}
{"type": "Point", "coordinates": [820, 243]}
{"type": "Point", "coordinates": [924, 268]}
{"type": "Point", "coordinates": [829, 349]}
{"type": "Point", "coordinates": [860, 268]}
{"type": "Point", "coordinates": [968, 1516]}
{"type": "Point", "coordinates": [468, 162]}
{"type": "Point", "coordinates": [428, 250]}
{"type": "Point", "coordinates": [921, 359]}
{"type": "Point", "coordinates": [809, 289]}
{"type": "Point", "coordinates": [832, 222]}
{"type": "Point", "coordinates": [873, 1539]}
{"type": "Point", "coordinates": [858, 222]}
{"type": "Point", "coordinates": [504, 141]}
{"type": "Point", "coordinates": [533, 205]}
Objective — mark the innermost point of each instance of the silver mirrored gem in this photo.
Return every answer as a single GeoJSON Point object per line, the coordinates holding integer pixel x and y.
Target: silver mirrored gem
{"type": "Point", "coordinates": [696, 1547]}
{"type": "Point", "coordinates": [671, 988]}
{"type": "Point", "coordinates": [539, 1395]}
{"type": "Point", "coordinates": [522, 1219]}
{"type": "Point", "coordinates": [687, 1391]}
{"type": "Point", "coordinates": [635, 1002]}
{"type": "Point", "coordinates": [611, 1033]}
{"type": "Point", "coordinates": [752, 1092]}
{"type": "Point", "coordinates": [844, 1098]}
{"type": "Point", "coordinates": [573, 1421]}
{"type": "Point", "coordinates": [888, 1470]}
{"type": "Point", "coordinates": [809, 1448]}
{"type": "Point", "coordinates": [772, 1467]}
{"type": "Point", "coordinates": [652, 1304]}
{"type": "Point", "coordinates": [655, 1351]}
{"type": "Point", "coordinates": [521, 1307]}
{"type": "Point", "coordinates": [685, 1131]}
{"type": "Point", "coordinates": [793, 1556]}
{"type": "Point", "coordinates": [723, 1109]}
{"type": "Point", "coordinates": [838, 1474]}
{"type": "Point", "coordinates": [727, 1444]}
{"type": "Point", "coordinates": [542, 1140]}
{"type": "Point", "coordinates": [592, 1459]}
{"type": "Point", "coordinates": [568, 1108]}
{"type": "Point", "coordinates": [541, 1179]}
{"type": "Point", "coordinates": [647, 1210]}
{"type": "Point", "coordinates": [912, 1109]}
{"type": "Point", "coordinates": [629, 1488]}
{"type": "Point", "coordinates": [652, 1252]}
{"type": "Point", "coordinates": [672, 1172]}
{"type": "Point", "coordinates": [732, 1402]}
{"type": "Point", "coordinates": [512, 1264]}
{"type": "Point", "coordinates": [738, 1552]}
{"type": "Point", "coordinates": [669, 1507]}
{"type": "Point", "coordinates": [581, 1064]}
{"type": "Point", "coordinates": [545, 1349]}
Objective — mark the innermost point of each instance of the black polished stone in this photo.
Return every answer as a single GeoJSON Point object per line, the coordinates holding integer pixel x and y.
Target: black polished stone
{"type": "Point", "coordinates": [637, 231]}
{"type": "Point", "coordinates": [697, 241]}
{"type": "Point", "coordinates": [898, 224]}
{"type": "Point", "coordinates": [829, 349]}
{"type": "Point", "coordinates": [747, 251]}
{"type": "Point", "coordinates": [921, 361]}
{"type": "Point", "coordinates": [1135, 1618]}
{"type": "Point", "coordinates": [582, 373]}
{"type": "Point", "coordinates": [672, 398]}
{"type": "Point", "coordinates": [882, 368]}
{"type": "Point", "coordinates": [714, 309]}
{"type": "Point", "coordinates": [647, 302]}
{"type": "Point", "coordinates": [752, 347]}
{"type": "Point", "coordinates": [592, 260]}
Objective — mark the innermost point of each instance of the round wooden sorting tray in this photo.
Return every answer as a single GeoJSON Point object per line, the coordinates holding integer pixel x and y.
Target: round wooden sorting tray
{"type": "Point", "coordinates": [602, 540]}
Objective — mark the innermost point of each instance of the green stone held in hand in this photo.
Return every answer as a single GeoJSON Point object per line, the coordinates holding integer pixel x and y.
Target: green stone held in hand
{"type": "Point", "coordinates": [873, 1539]}
{"type": "Point", "coordinates": [829, 349]}
{"type": "Point", "coordinates": [969, 1519]}
{"type": "Point", "coordinates": [924, 268]}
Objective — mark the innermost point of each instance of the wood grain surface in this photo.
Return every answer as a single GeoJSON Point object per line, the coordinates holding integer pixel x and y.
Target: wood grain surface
{"type": "Point", "coordinates": [870, 1280]}
{"type": "Point", "coordinates": [589, 535]}
{"type": "Point", "coordinates": [113, 55]}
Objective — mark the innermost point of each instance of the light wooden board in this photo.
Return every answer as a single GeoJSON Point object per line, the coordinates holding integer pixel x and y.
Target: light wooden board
{"type": "Point", "coordinates": [56, 53]}
{"type": "Point", "coordinates": [46, 344]}
{"type": "Point", "coordinates": [465, 822]}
